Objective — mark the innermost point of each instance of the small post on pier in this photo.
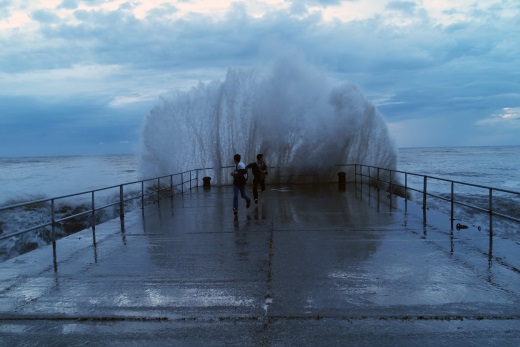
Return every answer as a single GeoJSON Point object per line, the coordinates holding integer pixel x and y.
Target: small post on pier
{"type": "Point", "coordinates": [342, 181]}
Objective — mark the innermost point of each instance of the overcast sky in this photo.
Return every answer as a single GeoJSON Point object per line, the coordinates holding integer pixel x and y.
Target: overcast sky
{"type": "Point", "coordinates": [80, 76]}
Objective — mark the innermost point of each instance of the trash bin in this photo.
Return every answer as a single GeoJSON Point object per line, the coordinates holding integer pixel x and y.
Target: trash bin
{"type": "Point", "coordinates": [342, 180]}
{"type": "Point", "coordinates": [206, 182]}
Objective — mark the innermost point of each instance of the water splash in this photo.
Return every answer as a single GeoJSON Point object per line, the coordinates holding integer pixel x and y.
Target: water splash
{"type": "Point", "coordinates": [291, 112]}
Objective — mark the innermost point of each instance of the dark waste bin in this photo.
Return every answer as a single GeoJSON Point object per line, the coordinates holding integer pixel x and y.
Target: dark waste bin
{"type": "Point", "coordinates": [206, 182]}
{"type": "Point", "coordinates": [342, 180]}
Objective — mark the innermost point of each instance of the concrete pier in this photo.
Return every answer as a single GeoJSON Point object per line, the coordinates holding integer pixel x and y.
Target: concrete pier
{"type": "Point", "coordinates": [310, 265]}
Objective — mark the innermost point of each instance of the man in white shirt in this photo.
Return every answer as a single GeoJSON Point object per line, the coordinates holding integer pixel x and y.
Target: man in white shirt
{"type": "Point", "coordinates": [239, 183]}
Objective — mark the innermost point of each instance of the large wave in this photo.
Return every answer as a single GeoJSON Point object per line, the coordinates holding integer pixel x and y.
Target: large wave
{"type": "Point", "coordinates": [291, 112]}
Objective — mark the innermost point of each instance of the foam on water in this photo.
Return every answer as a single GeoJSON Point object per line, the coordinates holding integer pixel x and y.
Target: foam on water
{"type": "Point", "coordinates": [30, 179]}
{"type": "Point", "coordinates": [290, 111]}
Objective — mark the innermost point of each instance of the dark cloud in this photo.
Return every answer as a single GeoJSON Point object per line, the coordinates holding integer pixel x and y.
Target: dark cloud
{"type": "Point", "coordinates": [69, 4]}
{"type": "Point", "coordinates": [45, 16]}
{"type": "Point", "coordinates": [407, 7]}
{"type": "Point", "coordinates": [463, 72]}
{"type": "Point", "coordinates": [69, 127]}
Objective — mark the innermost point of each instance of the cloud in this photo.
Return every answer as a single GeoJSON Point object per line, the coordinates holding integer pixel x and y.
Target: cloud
{"type": "Point", "coordinates": [124, 100]}
{"type": "Point", "coordinates": [508, 117]}
{"type": "Point", "coordinates": [68, 4]}
{"type": "Point", "coordinates": [407, 7]}
{"type": "Point", "coordinates": [163, 10]}
{"type": "Point", "coordinates": [45, 16]}
{"type": "Point", "coordinates": [325, 2]}
{"type": "Point", "coordinates": [67, 127]}
{"type": "Point", "coordinates": [419, 61]}
{"type": "Point", "coordinates": [4, 10]}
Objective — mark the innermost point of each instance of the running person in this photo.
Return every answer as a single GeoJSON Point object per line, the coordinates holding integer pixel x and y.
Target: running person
{"type": "Point", "coordinates": [239, 183]}
{"type": "Point", "coordinates": [259, 169]}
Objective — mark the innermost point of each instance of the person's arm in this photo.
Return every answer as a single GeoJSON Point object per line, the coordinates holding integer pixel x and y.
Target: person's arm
{"type": "Point", "coordinates": [234, 171]}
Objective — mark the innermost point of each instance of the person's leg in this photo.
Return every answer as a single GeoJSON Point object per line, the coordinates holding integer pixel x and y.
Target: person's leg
{"type": "Point", "coordinates": [255, 189]}
{"type": "Point", "coordinates": [262, 185]}
{"type": "Point", "coordinates": [235, 197]}
{"type": "Point", "coordinates": [244, 196]}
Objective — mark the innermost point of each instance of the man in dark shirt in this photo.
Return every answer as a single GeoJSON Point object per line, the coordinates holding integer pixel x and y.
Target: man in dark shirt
{"type": "Point", "coordinates": [259, 169]}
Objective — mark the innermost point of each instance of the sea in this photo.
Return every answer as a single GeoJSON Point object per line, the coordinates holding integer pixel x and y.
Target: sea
{"type": "Point", "coordinates": [33, 178]}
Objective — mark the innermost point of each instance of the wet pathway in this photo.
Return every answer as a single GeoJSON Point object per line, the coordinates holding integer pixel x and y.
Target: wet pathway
{"type": "Point", "coordinates": [309, 265]}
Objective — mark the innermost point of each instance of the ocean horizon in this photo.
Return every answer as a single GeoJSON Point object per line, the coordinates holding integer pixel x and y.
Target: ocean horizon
{"type": "Point", "coordinates": [26, 179]}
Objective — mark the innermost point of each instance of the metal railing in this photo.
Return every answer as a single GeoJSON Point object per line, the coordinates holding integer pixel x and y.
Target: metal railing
{"type": "Point", "coordinates": [396, 182]}
{"type": "Point", "coordinates": [186, 180]}
{"type": "Point", "coordinates": [495, 202]}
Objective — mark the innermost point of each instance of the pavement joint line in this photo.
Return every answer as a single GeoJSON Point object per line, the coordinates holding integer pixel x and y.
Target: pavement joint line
{"type": "Point", "coordinates": [79, 318]}
{"type": "Point", "coordinates": [266, 319]}
{"type": "Point", "coordinates": [268, 296]}
{"type": "Point", "coordinates": [400, 318]}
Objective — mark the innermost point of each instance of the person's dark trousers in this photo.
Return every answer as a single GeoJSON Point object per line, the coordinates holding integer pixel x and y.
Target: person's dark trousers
{"type": "Point", "coordinates": [257, 182]}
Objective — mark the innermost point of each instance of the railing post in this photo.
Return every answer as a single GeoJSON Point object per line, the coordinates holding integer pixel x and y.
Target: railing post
{"type": "Point", "coordinates": [158, 189]}
{"type": "Point", "coordinates": [391, 189]}
{"type": "Point", "coordinates": [142, 195]}
{"type": "Point", "coordinates": [53, 225]}
{"type": "Point", "coordinates": [182, 182]}
{"type": "Point", "coordinates": [53, 235]}
{"type": "Point", "coordinates": [490, 253]}
{"type": "Point", "coordinates": [378, 190]}
{"type": "Point", "coordinates": [93, 215]}
{"type": "Point", "coordinates": [190, 179]}
{"type": "Point", "coordinates": [369, 180]}
{"type": "Point", "coordinates": [406, 192]}
{"type": "Point", "coordinates": [171, 186]}
{"type": "Point", "coordinates": [121, 203]}
{"type": "Point", "coordinates": [424, 198]}
{"type": "Point", "coordinates": [490, 213]}
{"type": "Point", "coordinates": [452, 202]}
{"type": "Point", "coordinates": [361, 179]}
{"type": "Point", "coordinates": [355, 175]}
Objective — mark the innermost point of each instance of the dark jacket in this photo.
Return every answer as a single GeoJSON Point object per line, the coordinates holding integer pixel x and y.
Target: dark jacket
{"type": "Point", "coordinates": [258, 170]}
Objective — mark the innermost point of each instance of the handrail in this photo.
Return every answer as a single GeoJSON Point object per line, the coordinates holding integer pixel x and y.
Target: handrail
{"type": "Point", "coordinates": [94, 209]}
{"type": "Point", "coordinates": [186, 178]}
{"type": "Point", "coordinates": [425, 193]}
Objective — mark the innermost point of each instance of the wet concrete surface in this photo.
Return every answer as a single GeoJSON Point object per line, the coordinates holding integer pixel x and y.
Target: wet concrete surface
{"type": "Point", "coordinates": [309, 265]}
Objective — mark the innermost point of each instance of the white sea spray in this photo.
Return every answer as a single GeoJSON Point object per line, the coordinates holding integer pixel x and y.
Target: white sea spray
{"type": "Point", "coordinates": [290, 111]}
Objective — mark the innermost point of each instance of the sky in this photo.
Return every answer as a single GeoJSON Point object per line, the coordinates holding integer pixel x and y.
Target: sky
{"type": "Point", "coordinates": [78, 77]}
